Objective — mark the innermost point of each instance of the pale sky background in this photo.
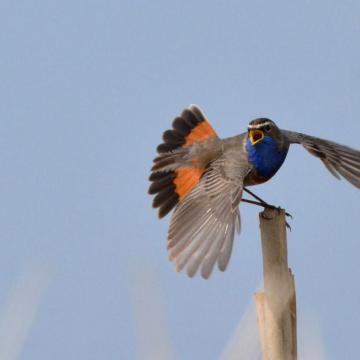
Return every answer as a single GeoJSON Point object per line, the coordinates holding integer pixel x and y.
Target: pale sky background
{"type": "Point", "coordinates": [86, 90]}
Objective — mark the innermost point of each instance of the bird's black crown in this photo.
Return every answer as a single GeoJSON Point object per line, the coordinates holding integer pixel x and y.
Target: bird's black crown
{"type": "Point", "coordinates": [260, 122]}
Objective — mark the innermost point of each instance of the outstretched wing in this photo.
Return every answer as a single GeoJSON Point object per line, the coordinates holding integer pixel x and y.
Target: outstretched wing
{"type": "Point", "coordinates": [340, 160]}
{"type": "Point", "coordinates": [202, 227]}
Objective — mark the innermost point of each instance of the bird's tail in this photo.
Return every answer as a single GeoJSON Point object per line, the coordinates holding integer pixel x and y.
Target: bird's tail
{"type": "Point", "coordinates": [177, 169]}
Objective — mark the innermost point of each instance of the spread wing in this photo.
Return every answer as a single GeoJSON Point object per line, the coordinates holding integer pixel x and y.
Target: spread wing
{"type": "Point", "coordinates": [202, 227]}
{"type": "Point", "coordinates": [340, 160]}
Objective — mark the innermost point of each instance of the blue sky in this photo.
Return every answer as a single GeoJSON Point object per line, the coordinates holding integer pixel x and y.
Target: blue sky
{"type": "Point", "coordinates": [87, 88]}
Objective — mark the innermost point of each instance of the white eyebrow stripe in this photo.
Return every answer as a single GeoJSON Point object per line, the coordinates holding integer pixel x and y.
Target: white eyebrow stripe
{"type": "Point", "coordinates": [258, 126]}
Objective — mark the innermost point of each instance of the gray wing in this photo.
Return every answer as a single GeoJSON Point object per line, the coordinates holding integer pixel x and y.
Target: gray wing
{"type": "Point", "coordinates": [340, 160]}
{"type": "Point", "coordinates": [202, 227]}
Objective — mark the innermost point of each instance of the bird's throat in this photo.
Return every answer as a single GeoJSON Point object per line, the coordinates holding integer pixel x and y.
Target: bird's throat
{"type": "Point", "coordinates": [266, 157]}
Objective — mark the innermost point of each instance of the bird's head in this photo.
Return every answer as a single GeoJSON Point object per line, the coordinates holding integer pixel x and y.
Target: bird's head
{"type": "Point", "coordinates": [261, 128]}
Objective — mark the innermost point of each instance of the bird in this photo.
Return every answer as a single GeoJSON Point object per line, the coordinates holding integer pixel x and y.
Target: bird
{"type": "Point", "coordinates": [202, 178]}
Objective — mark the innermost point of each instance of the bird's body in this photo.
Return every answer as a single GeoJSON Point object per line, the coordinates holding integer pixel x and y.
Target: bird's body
{"type": "Point", "coordinates": [203, 177]}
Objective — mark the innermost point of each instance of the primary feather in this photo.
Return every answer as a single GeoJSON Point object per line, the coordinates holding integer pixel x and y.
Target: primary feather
{"type": "Point", "coordinates": [202, 227]}
{"type": "Point", "coordinates": [339, 159]}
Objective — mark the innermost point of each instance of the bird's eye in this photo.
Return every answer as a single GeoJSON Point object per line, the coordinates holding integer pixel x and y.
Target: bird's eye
{"type": "Point", "coordinates": [267, 128]}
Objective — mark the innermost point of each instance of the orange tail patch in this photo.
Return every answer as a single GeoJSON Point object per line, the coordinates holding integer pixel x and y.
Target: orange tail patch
{"type": "Point", "coordinates": [171, 186]}
{"type": "Point", "coordinates": [189, 128]}
{"type": "Point", "coordinates": [200, 133]}
{"type": "Point", "coordinates": [186, 179]}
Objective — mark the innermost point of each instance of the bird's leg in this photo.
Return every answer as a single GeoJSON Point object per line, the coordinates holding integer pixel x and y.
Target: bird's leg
{"type": "Point", "coordinates": [261, 202]}
{"type": "Point", "coordinates": [258, 203]}
{"type": "Point", "coordinates": [264, 204]}
{"type": "Point", "coordinates": [257, 197]}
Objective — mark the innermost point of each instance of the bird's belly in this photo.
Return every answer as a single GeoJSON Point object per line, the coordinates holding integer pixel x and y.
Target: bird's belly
{"type": "Point", "coordinates": [254, 178]}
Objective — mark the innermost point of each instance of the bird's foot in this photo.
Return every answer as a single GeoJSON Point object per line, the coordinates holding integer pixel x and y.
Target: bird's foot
{"type": "Point", "coordinates": [265, 205]}
{"type": "Point", "coordinates": [279, 209]}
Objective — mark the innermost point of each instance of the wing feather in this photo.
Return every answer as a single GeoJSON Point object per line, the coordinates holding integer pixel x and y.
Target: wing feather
{"type": "Point", "coordinates": [197, 245]}
{"type": "Point", "coordinates": [208, 241]}
{"type": "Point", "coordinates": [339, 159]}
{"type": "Point", "coordinates": [213, 254]}
{"type": "Point", "coordinates": [202, 227]}
{"type": "Point", "coordinates": [225, 252]}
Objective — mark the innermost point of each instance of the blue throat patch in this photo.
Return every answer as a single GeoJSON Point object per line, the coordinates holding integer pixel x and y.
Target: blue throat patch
{"type": "Point", "coordinates": [265, 156]}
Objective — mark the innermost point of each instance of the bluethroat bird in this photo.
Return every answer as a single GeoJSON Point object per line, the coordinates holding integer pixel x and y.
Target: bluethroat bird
{"type": "Point", "coordinates": [203, 177]}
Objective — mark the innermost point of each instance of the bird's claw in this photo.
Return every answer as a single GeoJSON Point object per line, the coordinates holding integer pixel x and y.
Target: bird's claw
{"type": "Point", "coordinates": [278, 208]}
{"type": "Point", "coordinates": [265, 205]}
{"type": "Point", "coordinates": [287, 225]}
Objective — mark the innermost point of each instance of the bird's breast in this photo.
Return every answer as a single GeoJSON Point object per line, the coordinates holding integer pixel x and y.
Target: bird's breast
{"type": "Point", "coordinates": [266, 157]}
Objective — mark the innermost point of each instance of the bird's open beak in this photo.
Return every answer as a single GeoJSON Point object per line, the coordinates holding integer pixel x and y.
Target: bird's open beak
{"type": "Point", "coordinates": [256, 136]}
